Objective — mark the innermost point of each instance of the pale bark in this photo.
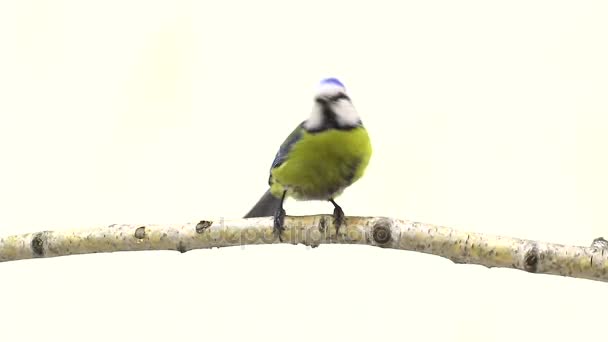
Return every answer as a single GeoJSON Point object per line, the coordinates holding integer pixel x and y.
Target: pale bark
{"type": "Point", "coordinates": [458, 246]}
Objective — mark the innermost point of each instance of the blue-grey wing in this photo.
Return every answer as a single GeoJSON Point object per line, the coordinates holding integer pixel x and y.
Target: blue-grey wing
{"type": "Point", "coordinates": [286, 146]}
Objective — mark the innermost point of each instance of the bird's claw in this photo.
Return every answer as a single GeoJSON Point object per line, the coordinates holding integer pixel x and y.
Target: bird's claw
{"type": "Point", "coordinates": [339, 218]}
{"type": "Point", "coordinates": [279, 221]}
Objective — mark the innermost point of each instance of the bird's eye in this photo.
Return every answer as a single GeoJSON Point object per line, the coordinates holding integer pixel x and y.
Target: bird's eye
{"type": "Point", "coordinates": [325, 100]}
{"type": "Point", "coordinates": [338, 97]}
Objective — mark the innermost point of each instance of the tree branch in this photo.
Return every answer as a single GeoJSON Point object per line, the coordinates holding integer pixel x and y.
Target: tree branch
{"type": "Point", "coordinates": [458, 246]}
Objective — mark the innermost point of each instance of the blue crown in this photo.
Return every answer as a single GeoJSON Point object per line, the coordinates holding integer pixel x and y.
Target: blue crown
{"type": "Point", "coordinates": [332, 80]}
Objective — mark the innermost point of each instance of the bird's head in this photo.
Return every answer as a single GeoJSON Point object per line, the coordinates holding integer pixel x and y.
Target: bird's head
{"type": "Point", "coordinates": [332, 108]}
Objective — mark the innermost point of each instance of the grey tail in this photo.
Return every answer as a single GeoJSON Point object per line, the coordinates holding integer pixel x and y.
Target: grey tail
{"type": "Point", "coordinates": [266, 206]}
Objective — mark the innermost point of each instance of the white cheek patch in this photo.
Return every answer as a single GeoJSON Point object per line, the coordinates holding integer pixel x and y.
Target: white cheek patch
{"type": "Point", "coordinates": [346, 115]}
{"type": "Point", "coordinates": [315, 121]}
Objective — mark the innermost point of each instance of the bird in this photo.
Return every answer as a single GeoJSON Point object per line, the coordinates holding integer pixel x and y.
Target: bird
{"type": "Point", "coordinates": [325, 154]}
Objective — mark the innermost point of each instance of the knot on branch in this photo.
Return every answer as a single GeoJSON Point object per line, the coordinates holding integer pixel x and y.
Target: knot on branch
{"type": "Point", "coordinates": [531, 259]}
{"type": "Point", "coordinates": [38, 244]}
{"type": "Point", "coordinates": [382, 231]}
{"type": "Point", "coordinates": [140, 232]}
{"type": "Point", "coordinates": [600, 243]}
{"type": "Point", "coordinates": [202, 226]}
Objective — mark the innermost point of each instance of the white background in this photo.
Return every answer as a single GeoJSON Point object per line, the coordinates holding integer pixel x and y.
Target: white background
{"type": "Point", "coordinates": [488, 116]}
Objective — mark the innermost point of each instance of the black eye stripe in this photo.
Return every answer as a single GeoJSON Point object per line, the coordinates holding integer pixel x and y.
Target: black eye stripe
{"type": "Point", "coordinates": [338, 97]}
{"type": "Point", "coordinates": [335, 98]}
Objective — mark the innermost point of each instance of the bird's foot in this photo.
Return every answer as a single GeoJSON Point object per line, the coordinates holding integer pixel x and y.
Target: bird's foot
{"type": "Point", "coordinates": [339, 218]}
{"type": "Point", "coordinates": [279, 221]}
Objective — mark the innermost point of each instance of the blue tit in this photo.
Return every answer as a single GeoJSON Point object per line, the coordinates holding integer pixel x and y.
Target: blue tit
{"type": "Point", "coordinates": [324, 155]}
